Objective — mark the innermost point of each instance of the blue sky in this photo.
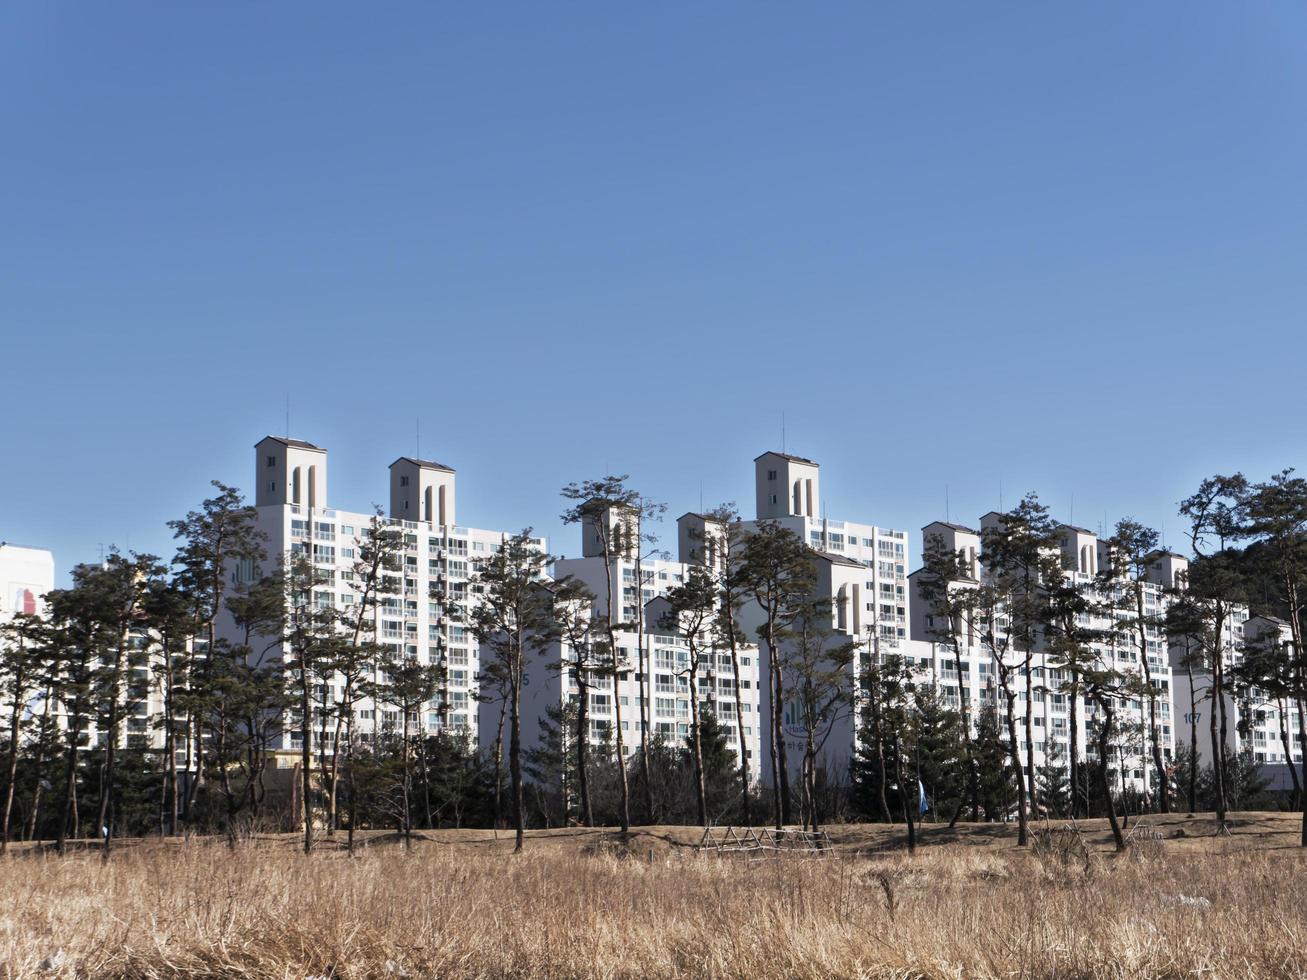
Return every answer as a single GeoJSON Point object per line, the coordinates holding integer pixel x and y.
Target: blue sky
{"type": "Point", "coordinates": [1059, 247]}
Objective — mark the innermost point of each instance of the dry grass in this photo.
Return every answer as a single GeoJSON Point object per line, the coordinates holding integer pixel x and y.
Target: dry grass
{"type": "Point", "coordinates": [967, 905]}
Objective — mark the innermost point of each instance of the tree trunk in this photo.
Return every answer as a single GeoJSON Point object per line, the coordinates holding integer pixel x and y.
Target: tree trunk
{"type": "Point", "coordinates": [333, 776]}
{"type": "Point", "coordinates": [1014, 752]}
{"type": "Point", "coordinates": [1217, 690]}
{"type": "Point", "coordinates": [810, 785]}
{"type": "Point", "coordinates": [1281, 709]}
{"type": "Point", "coordinates": [70, 781]}
{"type": "Point", "coordinates": [614, 655]}
{"type": "Point", "coordinates": [499, 764]}
{"type": "Point", "coordinates": [41, 757]}
{"type": "Point", "coordinates": [170, 720]}
{"type": "Point", "coordinates": [773, 734]}
{"type": "Point", "coordinates": [1300, 657]}
{"type": "Point", "coordinates": [1032, 791]}
{"type": "Point", "coordinates": [350, 787]}
{"type": "Point", "coordinates": [739, 726]}
{"type": "Point", "coordinates": [1074, 710]}
{"type": "Point", "coordinates": [515, 764]}
{"type": "Point", "coordinates": [968, 751]}
{"type": "Point", "coordinates": [325, 772]}
{"type": "Point", "coordinates": [408, 780]}
{"type": "Point", "coordinates": [1302, 748]}
{"type": "Point", "coordinates": [878, 736]}
{"type": "Point", "coordinates": [905, 796]}
{"type": "Point", "coordinates": [695, 742]}
{"type": "Point", "coordinates": [306, 758]}
{"type": "Point", "coordinates": [15, 722]}
{"type": "Point", "coordinates": [104, 823]}
{"type": "Point", "coordinates": [781, 765]}
{"type": "Point", "coordinates": [621, 745]}
{"type": "Point", "coordinates": [642, 687]}
{"type": "Point", "coordinates": [583, 749]}
{"type": "Point", "coordinates": [1193, 737]}
{"type": "Point", "coordinates": [32, 817]}
{"type": "Point", "coordinates": [1104, 747]}
{"type": "Point", "coordinates": [1154, 734]}
{"type": "Point", "coordinates": [12, 769]}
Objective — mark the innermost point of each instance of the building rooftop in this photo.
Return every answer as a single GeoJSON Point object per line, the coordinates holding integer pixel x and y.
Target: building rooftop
{"type": "Point", "coordinates": [295, 443]}
{"type": "Point", "coordinates": [701, 516]}
{"type": "Point", "coordinates": [1160, 553]}
{"type": "Point", "coordinates": [1078, 530]}
{"type": "Point", "coordinates": [955, 527]}
{"type": "Point", "coordinates": [965, 579]}
{"type": "Point", "coordinates": [796, 459]}
{"type": "Point", "coordinates": [426, 464]}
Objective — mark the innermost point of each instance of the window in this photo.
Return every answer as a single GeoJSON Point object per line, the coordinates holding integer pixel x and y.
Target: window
{"type": "Point", "coordinates": [403, 481]}
{"type": "Point", "coordinates": [272, 461]}
{"type": "Point", "coordinates": [771, 475]}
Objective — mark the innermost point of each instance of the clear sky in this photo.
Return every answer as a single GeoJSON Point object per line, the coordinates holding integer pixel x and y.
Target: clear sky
{"type": "Point", "coordinates": [1052, 247]}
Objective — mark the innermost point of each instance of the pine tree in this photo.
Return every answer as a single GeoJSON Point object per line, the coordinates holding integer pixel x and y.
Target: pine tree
{"type": "Point", "coordinates": [551, 764]}
{"type": "Point", "coordinates": [609, 514]}
{"type": "Point", "coordinates": [1215, 513]}
{"type": "Point", "coordinates": [691, 607]}
{"type": "Point", "coordinates": [717, 760]}
{"type": "Point", "coordinates": [513, 620]}
{"type": "Point", "coordinates": [1055, 783]}
{"type": "Point", "coordinates": [776, 570]}
{"type": "Point", "coordinates": [940, 754]}
{"type": "Point", "coordinates": [21, 641]}
{"type": "Point", "coordinates": [997, 779]}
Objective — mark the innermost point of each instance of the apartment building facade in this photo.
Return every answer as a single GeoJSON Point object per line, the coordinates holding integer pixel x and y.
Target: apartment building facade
{"type": "Point", "coordinates": [1257, 721]}
{"type": "Point", "coordinates": [860, 572]}
{"type": "Point", "coordinates": [26, 576]}
{"type": "Point", "coordinates": [638, 586]}
{"type": "Point", "coordinates": [426, 616]}
{"type": "Point", "coordinates": [969, 670]}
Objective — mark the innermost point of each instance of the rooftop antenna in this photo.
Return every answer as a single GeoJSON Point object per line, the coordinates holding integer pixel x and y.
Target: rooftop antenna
{"type": "Point", "coordinates": [1000, 496]}
{"type": "Point", "coordinates": [417, 437]}
{"type": "Point", "coordinates": [782, 432]}
{"type": "Point", "coordinates": [288, 415]}
{"type": "Point", "coordinates": [947, 517]}
{"type": "Point", "coordinates": [701, 496]}
{"type": "Point", "coordinates": [1072, 518]}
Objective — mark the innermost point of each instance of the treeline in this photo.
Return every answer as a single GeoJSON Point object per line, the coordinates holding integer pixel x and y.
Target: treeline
{"type": "Point", "coordinates": [153, 696]}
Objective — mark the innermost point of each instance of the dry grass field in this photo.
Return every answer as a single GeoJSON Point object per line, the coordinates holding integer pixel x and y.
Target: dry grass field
{"type": "Point", "coordinates": [582, 904]}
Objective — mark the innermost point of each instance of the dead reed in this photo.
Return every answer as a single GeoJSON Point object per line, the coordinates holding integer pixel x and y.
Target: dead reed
{"type": "Point", "coordinates": [204, 909]}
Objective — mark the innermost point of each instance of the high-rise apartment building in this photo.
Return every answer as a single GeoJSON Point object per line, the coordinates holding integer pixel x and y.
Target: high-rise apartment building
{"type": "Point", "coordinates": [635, 583]}
{"type": "Point", "coordinates": [426, 616]}
{"type": "Point", "coordinates": [969, 670]}
{"type": "Point", "coordinates": [26, 575]}
{"type": "Point", "coordinates": [860, 571]}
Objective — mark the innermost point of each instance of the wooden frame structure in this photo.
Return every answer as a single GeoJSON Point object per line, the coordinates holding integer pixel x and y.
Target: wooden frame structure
{"type": "Point", "coordinates": [765, 840]}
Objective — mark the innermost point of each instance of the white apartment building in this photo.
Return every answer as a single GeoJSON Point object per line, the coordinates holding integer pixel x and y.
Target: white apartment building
{"type": "Point", "coordinates": [26, 575]}
{"type": "Point", "coordinates": [788, 492]}
{"type": "Point", "coordinates": [637, 588]}
{"type": "Point", "coordinates": [1255, 720]}
{"type": "Point", "coordinates": [973, 674]}
{"type": "Point", "coordinates": [861, 569]}
{"type": "Point", "coordinates": [427, 616]}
